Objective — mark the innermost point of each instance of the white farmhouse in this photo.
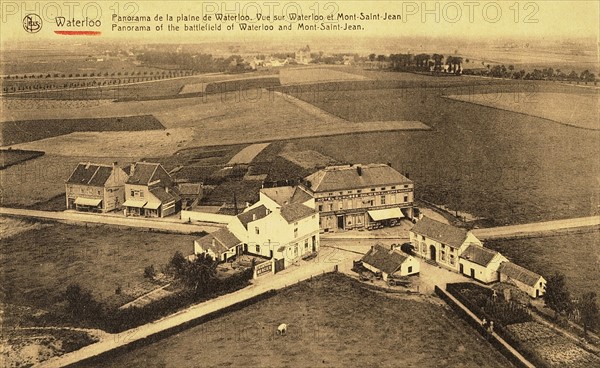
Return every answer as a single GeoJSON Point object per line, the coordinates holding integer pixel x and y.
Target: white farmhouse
{"type": "Point", "coordinates": [529, 282]}
{"type": "Point", "coordinates": [283, 226]}
{"type": "Point", "coordinates": [390, 262]}
{"type": "Point", "coordinates": [440, 242]}
{"type": "Point", "coordinates": [480, 263]}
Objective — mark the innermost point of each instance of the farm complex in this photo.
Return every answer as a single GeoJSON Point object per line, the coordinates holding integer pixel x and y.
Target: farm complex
{"type": "Point", "coordinates": [317, 208]}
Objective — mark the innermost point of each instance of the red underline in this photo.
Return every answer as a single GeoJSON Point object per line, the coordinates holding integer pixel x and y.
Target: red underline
{"type": "Point", "coordinates": [78, 33]}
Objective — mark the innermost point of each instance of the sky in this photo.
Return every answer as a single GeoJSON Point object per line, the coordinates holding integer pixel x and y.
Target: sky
{"type": "Point", "coordinates": [468, 20]}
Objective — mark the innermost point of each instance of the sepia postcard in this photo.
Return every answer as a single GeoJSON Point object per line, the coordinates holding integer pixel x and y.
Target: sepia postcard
{"type": "Point", "coordinates": [300, 183]}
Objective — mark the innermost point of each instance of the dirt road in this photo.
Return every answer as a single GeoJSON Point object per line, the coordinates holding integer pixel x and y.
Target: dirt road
{"type": "Point", "coordinates": [537, 228]}
{"type": "Point", "coordinates": [165, 224]}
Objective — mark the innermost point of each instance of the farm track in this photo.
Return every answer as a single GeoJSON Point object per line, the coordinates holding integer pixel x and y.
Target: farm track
{"type": "Point", "coordinates": [169, 225]}
{"type": "Point", "coordinates": [537, 228]}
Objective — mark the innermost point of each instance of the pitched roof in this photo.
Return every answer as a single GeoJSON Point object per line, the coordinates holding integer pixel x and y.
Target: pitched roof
{"type": "Point", "coordinates": [164, 196]}
{"type": "Point", "coordinates": [443, 233]}
{"type": "Point", "coordinates": [384, 259]}
{"type": "Point", "coordinates": [253, 215]}
{"type": "Point", "coordinates": [223, 241]}
{"type": "Point", "coordinates": [296, 211]}
{"type": "Point", "coordinates": [334, 178]}
{"type": "Point", "coordinates": [143, 173]}
{"type": "Point", "coordinates": [478, 254]}
{"type": "Point", "coordinates": [190, 189]}
{"type": "Point", "coordinates": [90, 174]}
{"type": "Point", "coordinates": [519, 273]}
{"type": "Point", "coordinates": [286, 195]}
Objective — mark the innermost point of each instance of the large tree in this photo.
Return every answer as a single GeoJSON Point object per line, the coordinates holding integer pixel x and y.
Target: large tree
{"type": "Point", "coordinates": [557, 295]}
{"type": "Point", "coordinates": [588, 310]}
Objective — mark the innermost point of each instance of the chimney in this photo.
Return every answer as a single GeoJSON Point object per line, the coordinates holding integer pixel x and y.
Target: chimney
{"type": "Point", "coordinates": [87, 165]}
{"type": "Point", "coordinates": [254, 217]}
{"type": "Point", "coordinates": [213, 243]}
{"type": "Point", "coordinates": [407, 175]}
{"type": "Point", "coordinates": [359, 170]}
{"type": "Point", "coordinates": [167, 190]}
{"type": "Point", "coordinates": [132, 169]}
{"type": "Point", "coordinates": [389, 164]}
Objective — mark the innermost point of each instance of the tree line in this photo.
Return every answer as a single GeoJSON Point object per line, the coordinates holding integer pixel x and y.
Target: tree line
{"type": "Point", "coordinates": [583, 309]}
{"type": "Point", "coordinates": [437, 63]}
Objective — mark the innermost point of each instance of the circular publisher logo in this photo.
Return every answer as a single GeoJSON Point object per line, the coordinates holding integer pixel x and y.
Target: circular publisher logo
{"type": "Point", "coordinates": [32, 23]}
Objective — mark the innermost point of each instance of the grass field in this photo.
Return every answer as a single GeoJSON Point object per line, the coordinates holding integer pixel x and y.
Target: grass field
{"type": "Point", "coordinates": [580, 110]}
{"type": "Point", "coordinates": [575, 255]}
{"type": "Point", "coordinates": [99, 258]}
{"type": "Point", "coordinates": [13, 157]}
{"type": "Point", "coordinates": [487, 162]}
{"type": "Point", "coordinates": [15, 132]}
{"type": "Point", "coordinates": [315, 75]}
{"type": "Point", "coordinates": [333, 321]}
{"type": "Point", "coordinates": [44, 178]}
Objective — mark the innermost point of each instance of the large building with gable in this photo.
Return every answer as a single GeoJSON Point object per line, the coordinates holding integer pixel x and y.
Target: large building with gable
{"type": "Point", "coordinates": [282, 226]}
{"type": "Point", "coordinates": [95, 188]}
{"type": "Point", "coordinates": [360, 196]}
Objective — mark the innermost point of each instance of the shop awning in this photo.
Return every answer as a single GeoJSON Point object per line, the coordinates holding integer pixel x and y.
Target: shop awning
{"type": "Point", "coordinates": [134, 203]}
{"type": "Point", "coordinates": [94, 202]}
{"type": "Point", "coordinates": [152, 205]}
{"type": "Point", "coordinates": [388, 213]}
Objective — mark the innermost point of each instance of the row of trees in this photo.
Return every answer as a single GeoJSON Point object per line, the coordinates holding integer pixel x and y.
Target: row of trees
{"type": "Point", "coordinates": [583, 309]}
{"type": "Point", "coordinates": [421, 62]}
{"type": "Point", "coordinates": [502, 71]}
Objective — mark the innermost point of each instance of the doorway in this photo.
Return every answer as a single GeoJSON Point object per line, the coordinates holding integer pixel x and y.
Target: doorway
{"type": "Point", "coordinates": [432, 252]}
{"type": "Point", "coordinates": [340, 222]}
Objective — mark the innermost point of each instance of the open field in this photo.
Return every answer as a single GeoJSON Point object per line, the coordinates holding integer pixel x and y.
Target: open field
{"type": "Point", "coordinates": [13, 157]}
{"type": "Point", "coordinates": [575, 255]}
{"type": "Point", "coordinates": [15, 132]}
{"type": "Point", "coordinates": [248, 154]}
{"type": "Point", "coordinates": [303, 75]}
{"type": "Point", "coordinates": [579, 110]}
{"type": "Point", "coordinates": [44, 178]}
{"type": "Point", "coordinates": [102, 144]}
{"type": "Point", "coordinates": [201, 87]}
{"type": "Point", "coordinates": [333, 321]}
{"type": "Point", "coordinates": [99, 258]}
{"type": "Point", "coordinates": [487, 162]}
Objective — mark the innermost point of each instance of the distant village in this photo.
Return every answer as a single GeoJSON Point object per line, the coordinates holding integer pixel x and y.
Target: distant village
{"type": "Point", "coordinates": [285, 224]}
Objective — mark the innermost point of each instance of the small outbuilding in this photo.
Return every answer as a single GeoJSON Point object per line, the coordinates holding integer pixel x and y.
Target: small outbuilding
{"type": "Point", "coordinates": [390, 262]}
{"type": "Point", "coordinates": [480, 263]}
{"type": "Point", "coordinates": [528, 281]}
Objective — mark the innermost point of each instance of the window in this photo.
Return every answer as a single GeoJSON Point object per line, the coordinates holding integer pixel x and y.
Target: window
{"type": "Point", "coordinates": [305, 243]}
{"type": "Point", "coordinates": [331, 207]}
{"type": "Point", "coordinates": [405, 198]}
{"type": "Point", "coordinates": [133, 193]}
{"type": "Point", "coordinates": [349, 204]}
{"type": "Point", "coordinates": [256, 230]}
{"type": "Point", "coordinates": [341, 205]}
{"type": "Point", "coordinates": [452, 259]}
{"type": "Point", "coordinates": [330, 194]}
{"type": "Point", "coordinates": [406, 186]}
{"type": "Point", "coordinates": [372, 189]}
{"type": "Point", "coordinates": [341, 193]}
{"type": "Point", "coordinates": [141, 194]}
{"type": "Point", "coordinates": [257, 248]}
{"type": "Point", "coordinates": [383, 188]}
{"type": "Point", "coordinates": [409, 269]}
{"type": "Point", "coordinates": [422, 237]}
{"type": "Point", "coordinates": [80, 190]}
{"type": "Point", "coordinates": [296, 250]}
{"type": "Point", "coordinates": [295, 232]}
{"type": "Point", "coordinates": [98, 192]}
{"type": "Point", "coordinates": [382, 199]}
{"type": "Point", "coordinates": [320, 208]}
{"type": "Point", "coordinates": [349, 192]}
{"type": "Point", "coordinates": [393, 187]}
{"type": "Point", "coordinates": [443, 255]}
{"type": "Point", "coordinates": [424, 247]}
{"type": "Point", "coordinates": [359, 191]}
